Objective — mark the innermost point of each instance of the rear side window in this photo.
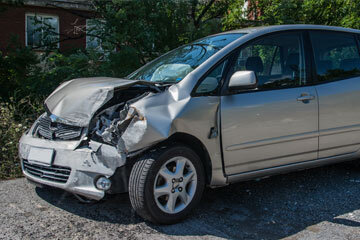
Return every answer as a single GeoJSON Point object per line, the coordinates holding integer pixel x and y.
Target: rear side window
{"type": "Point", "coordinates": [336, 55]}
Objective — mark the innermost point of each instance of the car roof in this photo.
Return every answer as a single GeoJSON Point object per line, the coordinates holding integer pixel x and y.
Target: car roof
{"type": "Point", "coordinates": [276, 28]}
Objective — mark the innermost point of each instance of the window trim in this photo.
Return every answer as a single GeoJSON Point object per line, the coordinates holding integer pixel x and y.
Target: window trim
{"type": "Point", "coordinates": [314, 70]}
{"type": "Point", "coordinates": [230, 59]}
{"type": "Point", "coordinates": [223, 77]}
{"type": "Point", "coordinates": [357, 39]}
{"type": "Point", "coordinates": [273, 59]}
{"type": "Point", "coordinates": [302, 33]}
{"type": "Point", "coordinates": [310, 59]}
{"type": "Point", "coordinates": [32, 14]}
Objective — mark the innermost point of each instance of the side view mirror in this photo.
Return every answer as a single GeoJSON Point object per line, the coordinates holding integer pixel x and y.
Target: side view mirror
{"type": "Point", "coordinates": [242, 80]}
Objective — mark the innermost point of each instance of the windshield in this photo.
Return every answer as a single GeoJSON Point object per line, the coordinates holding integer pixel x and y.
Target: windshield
{"type": "Point", "coordinates": [175, 65]}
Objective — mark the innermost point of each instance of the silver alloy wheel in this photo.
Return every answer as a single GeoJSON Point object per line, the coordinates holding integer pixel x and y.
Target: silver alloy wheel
{"type": "Point", "coordinates": [175, 185]}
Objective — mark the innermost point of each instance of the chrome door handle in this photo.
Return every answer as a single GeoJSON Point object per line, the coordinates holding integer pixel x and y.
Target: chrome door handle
{"type": "Point", "coordinates": [305, 97]}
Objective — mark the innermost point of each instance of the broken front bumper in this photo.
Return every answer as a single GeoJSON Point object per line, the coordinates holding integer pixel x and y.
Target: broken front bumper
{"type": "Point", "coordinates": [73, 168]}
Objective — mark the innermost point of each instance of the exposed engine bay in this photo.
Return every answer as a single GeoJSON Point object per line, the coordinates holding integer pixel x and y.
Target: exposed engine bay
{"type": "Point", "coordinates": [110, 124]}
{"type": "Point", "coordinates": [98, 109]}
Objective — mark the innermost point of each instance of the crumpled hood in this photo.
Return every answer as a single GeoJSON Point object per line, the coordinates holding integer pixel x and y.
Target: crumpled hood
{"type": "Point", "coordinates": [76, 101]}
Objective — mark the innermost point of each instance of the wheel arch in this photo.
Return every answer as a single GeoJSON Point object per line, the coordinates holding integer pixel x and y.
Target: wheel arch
{"type": "Point", "coordinates": [196, 145]}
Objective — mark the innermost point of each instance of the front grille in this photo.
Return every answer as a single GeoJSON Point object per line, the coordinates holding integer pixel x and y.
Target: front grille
{"type": "Point", "coordinates": [57, 131]}
{"type": "Point", "coordinates": [51, 173]}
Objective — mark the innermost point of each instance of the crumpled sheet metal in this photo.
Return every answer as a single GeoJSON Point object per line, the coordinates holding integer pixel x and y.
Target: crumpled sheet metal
{"type": "Point", "coordinates": [134, 133]}
{"type": "Point", "coordinates": [86, 162]}
{"type": "Point", "coordinates": [159, 111]}
{"type": "Point", "coordinates": [76, 101]}
{"type": "Point", "coordinates": [165, 114]}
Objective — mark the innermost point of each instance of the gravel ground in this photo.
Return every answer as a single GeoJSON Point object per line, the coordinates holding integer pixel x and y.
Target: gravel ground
{"type": "Point", "coordinates": [321, 203]}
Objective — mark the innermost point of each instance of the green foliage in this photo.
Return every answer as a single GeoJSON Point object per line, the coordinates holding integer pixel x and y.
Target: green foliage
{"type": "Point", "coordinates": [16, 67]}
{"type": "Point", "coordinates": [17, 115]}
{"type": "Point", "coordinates": [89, 63]}
{"type": "Point", "coordinates": [281, 12]}
{"type": "Point", "coordinates": [144, 27]}
{"type": "Point", "coordinates": [344, 13]}
{"type": "Point", "coordinates": [148, 28]}
{"type": "Point", "coordinates": [352, 14]}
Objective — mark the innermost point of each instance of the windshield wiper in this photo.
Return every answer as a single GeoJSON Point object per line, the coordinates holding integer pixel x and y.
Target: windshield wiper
{"type": "Point", "coordinates": [165, 82]}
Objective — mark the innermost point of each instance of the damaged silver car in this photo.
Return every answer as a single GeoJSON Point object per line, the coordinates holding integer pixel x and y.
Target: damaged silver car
{"type": "Point", "coordinates": [229, 107]}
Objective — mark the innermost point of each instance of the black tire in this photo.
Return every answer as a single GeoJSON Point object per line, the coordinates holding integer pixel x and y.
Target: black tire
{"type": "Point", "coordinates": [142, 178]}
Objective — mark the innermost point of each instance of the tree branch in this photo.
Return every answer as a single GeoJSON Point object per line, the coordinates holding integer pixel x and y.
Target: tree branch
{"type": "Point", "coordinates": [203, 12]}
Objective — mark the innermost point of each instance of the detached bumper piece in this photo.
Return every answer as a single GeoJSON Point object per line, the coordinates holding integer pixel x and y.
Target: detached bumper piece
{"type": "Point", "coordinates": [51, 173]}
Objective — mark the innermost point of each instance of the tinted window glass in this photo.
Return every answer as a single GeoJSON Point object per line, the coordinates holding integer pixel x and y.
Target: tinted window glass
{"type": "Point", "coordinates": [277, 60]}
{"type": "Point", "coordinates": [336, 55]}
{"type": "Point", "coordinates": [175, 65]}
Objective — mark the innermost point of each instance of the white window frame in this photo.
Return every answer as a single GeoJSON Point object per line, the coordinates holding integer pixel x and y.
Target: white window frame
{"type": "Point", "coordinates": [245, 8]}
{"type": "Point", "coordinates": [41, 15]}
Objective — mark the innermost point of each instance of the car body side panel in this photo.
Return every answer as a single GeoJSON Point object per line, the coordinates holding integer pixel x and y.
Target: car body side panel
{"type": "Point", "coordinates": [268, 128]}
{"type": "Point", "coordinates": [339, 117]}
{"type": "Point", "coordinates": [262, 173]}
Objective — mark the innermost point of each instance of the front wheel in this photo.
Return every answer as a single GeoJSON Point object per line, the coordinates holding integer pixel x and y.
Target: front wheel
{"type": "Point", "coordinates": [166, 184]}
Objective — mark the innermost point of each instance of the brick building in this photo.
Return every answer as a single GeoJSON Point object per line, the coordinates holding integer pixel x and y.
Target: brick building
{"type": "Point", "coordinates": [68, 20]}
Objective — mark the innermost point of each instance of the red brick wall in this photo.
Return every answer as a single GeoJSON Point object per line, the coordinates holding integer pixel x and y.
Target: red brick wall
{"type": "Point", "coordinates": [12, 22]}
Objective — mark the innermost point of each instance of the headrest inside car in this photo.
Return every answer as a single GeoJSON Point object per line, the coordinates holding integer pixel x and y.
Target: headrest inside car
{"type": "Point", "coordinates": [254, 64]}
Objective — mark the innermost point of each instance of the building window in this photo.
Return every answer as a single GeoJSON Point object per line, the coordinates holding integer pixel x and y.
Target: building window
{"type": "Point", "coordinates": [42, 31]}
{"type": "Point", "coordinates": [92, 30]}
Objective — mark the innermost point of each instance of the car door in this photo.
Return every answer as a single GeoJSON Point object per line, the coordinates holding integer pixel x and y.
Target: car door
{"type": "Point", "coordinates": [337, 64]}
{"type": "Point", "coordinates": [277, 123]}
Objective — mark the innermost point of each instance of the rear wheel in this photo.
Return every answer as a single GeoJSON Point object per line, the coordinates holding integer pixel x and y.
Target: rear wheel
{"type": "Point", "coordinates": [166, 184]}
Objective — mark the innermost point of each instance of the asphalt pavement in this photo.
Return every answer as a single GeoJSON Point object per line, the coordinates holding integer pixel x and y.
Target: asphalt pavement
{"type": "Point", "coordinates": [321, 203]}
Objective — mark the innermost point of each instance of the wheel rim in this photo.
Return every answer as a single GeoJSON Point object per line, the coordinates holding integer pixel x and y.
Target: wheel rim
{"type": "Point", "coordinates": [175, 185]}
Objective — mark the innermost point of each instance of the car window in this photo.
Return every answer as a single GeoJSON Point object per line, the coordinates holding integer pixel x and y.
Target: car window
{"type": "Point", "coordinates": [336, 55]}
{"type": "Point", "coordinates": [277, 60]}
{"type": "Point", "coordinates": [212, 81]}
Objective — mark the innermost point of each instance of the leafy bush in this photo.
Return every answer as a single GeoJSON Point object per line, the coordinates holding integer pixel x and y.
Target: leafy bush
{"type": "Point", "coordinates": [345, 13]}
{"type": "Point", "coordinates": [88, 63]}
{"type": "Point", "coordinates": [17, 115]}
{"type": "Point", "coordinates": [17, 64]}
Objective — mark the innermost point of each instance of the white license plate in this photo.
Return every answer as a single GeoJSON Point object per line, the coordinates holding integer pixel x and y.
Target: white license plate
{"type": "Point", "coordinates": [41, 155]}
